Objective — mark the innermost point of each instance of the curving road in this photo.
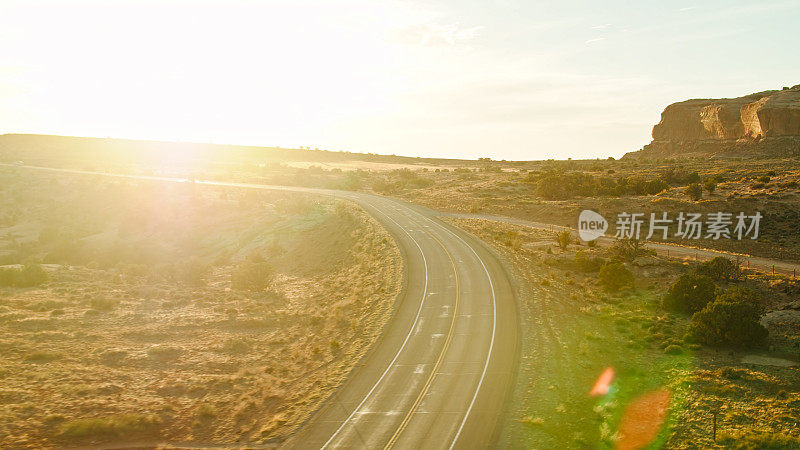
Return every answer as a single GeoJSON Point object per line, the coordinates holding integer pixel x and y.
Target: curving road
{"type": "Point", "coordinates": [440, 373]}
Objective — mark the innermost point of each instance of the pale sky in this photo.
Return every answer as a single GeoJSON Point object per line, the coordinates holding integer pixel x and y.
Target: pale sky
{"type": "Point", "coordinates": [469, 78]}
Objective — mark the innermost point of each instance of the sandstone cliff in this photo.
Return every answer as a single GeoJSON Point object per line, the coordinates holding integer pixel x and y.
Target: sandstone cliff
{"type": "Point", "coordinates": [765, 123]}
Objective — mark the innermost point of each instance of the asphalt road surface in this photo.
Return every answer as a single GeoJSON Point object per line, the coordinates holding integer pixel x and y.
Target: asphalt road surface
{"type": "Point", "coordinates": [441, 372]}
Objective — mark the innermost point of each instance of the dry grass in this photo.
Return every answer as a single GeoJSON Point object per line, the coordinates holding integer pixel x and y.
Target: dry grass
{"type": "Point", "coordinates": [129, 340]}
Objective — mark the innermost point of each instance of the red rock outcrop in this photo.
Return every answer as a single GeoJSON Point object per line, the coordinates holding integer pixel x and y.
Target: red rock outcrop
{"type": "Point", "coordinates": [765, 123]}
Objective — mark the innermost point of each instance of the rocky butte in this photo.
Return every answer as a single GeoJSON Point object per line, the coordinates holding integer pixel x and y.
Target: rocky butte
{"type": "Point", "coordinates": [761, 124]}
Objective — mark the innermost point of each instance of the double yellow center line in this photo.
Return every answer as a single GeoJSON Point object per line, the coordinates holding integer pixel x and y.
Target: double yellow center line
{"type": "Point", "coordinates": [426, 386]}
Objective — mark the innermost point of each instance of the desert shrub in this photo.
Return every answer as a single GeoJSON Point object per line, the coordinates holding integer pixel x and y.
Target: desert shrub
{"type": "Point", "coordinates": [763, 179]}
{"type": "Point", "coordinates": [694, 191]}
{"type": "Point", "coordinates": [653, 187]}
{"type": "Point", "coordinates": [103, 304]}
{"type": "Point", "coordinates": [407, 178]}
{"type": "Point", "coordinates": [192, 272]}
{"type": "Point", "coordinates": [587, 262]}
{"type": "Point", "coordinates": [680, 176]}
{"type": "Point", "coordinates": [111, 426]}
{"type": "Point", "coordinates": [719, 268]}
{"type": "Point", "coordinates": [252, 274]}
{"type": "Point", "coordinates": [690, 293]}
{"type": "Point", "coordinates": [614, 276]}
{"type": "Point", "coordinates": [113, 356]}
{"type": "Point", "coordinates": [164, 353]}
{"type": "Point", "coordinates": [32, 275]}
{"type": "Point", "coordinates": [206, 411]}
{"type": "Point", "coordinates": [738, 294]}
{"type": "Point", "coordinates": [710, 184]}
{"type": "Point", "coordinates": [559, 185]}
{"type": "Point", "coordinates": [28, 276]}
{"type": "Point", "coordinates": [236, 346]}
{"type": "Point", "coordinates": [40, 357]}
{"type": "Point", "coordinates": [8, 277]}
{"type": "Point", "coordinates": [563, 239]}
{"type": "Point", "coordinates": [758, 440]}
{"type": "Point", "coordinates": [673, 349]}
{"type": "Point", "coordinates": [351, 181]}
{"type": "Point", "coordinates": [626, 249]}
{"type": "Point", "coordinates": [730, 320]}
{"type": "Point", "coordinates": [383, 186]}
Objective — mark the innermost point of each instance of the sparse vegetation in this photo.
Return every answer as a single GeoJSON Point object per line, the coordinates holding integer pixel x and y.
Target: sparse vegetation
{"type": "Point", "coordinates": [136, 334]}
{"type": "Point", "coordinates": [254, 273]}
{"type": "Point", "coordinates": [126, 425]}
{"type": "Point", "coordinates": [29, 275]}
{"type": "Point", "coordinates": [588, 262]}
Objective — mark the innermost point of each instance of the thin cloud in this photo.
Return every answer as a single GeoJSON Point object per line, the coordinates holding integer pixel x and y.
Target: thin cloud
{"type": "Point", "coordinates": [433, 34]}
{"type": "Point", "coordinates": [595, 40]}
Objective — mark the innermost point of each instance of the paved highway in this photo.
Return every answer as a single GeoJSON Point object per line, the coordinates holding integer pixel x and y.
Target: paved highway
{"type": "Point", "coordinates": [441, 371]}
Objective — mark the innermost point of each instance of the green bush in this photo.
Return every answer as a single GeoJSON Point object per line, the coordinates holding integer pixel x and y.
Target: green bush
{"type": "Point", "coordinates": [690, 293]}
{"type": "Point", "coordinates": [731, 320]}
{"type": "Point", "coordinates": [614, 276]}
{"type": "Point", "coordinates": [719, 268]}
{"type": "Point", "coordinates": [586, 262]}
{"type": "Point", "coordinates": [252, 274]}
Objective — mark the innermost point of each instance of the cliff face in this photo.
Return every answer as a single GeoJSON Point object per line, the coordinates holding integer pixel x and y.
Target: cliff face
{"type": "Point", "coordinates": [764, 123]}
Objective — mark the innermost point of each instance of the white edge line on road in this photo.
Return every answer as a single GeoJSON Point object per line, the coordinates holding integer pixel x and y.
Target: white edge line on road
{"type": "Point", "coordinates": [400, 350]}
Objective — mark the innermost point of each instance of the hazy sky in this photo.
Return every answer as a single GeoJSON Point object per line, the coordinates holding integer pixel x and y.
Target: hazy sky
{"type": "Point", "coordinates": [467, 78]}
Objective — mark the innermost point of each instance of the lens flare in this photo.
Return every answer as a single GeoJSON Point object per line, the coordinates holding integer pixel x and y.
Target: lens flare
{"type": "Point", "coordinates": [643, 419]}
{"type": "Point", "coordinates": [603, 383]}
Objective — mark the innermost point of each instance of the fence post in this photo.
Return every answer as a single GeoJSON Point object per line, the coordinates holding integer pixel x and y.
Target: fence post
{"type": "Point", "coordinates": [715, 425]}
